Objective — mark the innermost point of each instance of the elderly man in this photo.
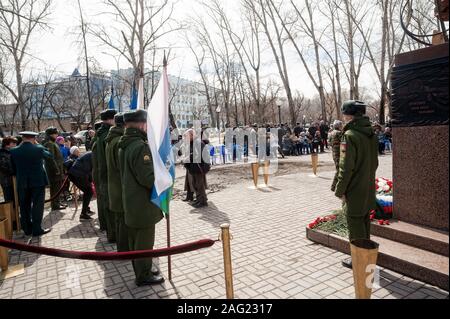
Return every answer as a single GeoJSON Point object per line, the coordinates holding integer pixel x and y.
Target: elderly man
{"type": "Point", "coordinates": [196, 169]}
{"type": "Point", "coordinates": [28, 165]}
{"type": "Point", "coordinates": [335, 142]}
{"type": "Point", "coordinates": [357, 168]}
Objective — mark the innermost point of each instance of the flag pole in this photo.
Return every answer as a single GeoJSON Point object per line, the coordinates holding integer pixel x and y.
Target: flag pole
{"type": "Point", "coordinates": [169, 243]}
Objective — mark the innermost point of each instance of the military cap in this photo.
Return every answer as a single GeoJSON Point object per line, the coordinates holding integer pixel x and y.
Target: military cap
{"type": "Point", "coordinates": [118, 119]}
{"type": "Point", "coordinates": [138, 116]}
{"type": "Point", "coordinates": [29, 134]}
{"type": "Point", "coordinates": [352, 107]}
{"type": "Point", "coordinates": [97, 125]}
{"type": "Point", "coordinates": [108, 115]}
{"type": "Point", "coordinates": [51, 131]}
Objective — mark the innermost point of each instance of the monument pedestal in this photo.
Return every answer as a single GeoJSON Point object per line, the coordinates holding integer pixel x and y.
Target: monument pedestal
{"type": "Point", "coordinates": [420, 114]}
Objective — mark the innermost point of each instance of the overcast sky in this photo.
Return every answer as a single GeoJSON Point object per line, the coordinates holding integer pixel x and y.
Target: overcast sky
{"type": "Point", "coordinates": [59, 50]}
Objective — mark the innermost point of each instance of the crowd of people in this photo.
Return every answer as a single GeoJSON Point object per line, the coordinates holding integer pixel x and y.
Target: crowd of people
{"type": "Point", "coordinates": [117, 167]}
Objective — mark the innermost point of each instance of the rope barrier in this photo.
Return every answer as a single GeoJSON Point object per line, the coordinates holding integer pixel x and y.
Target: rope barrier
{"type": "Point", "coordinates": [61, 190]}
{"type": "Point", "coordinates": [104, 256]}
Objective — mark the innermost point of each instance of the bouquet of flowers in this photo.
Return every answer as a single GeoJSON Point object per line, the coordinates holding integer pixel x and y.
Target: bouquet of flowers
{"type": "Point", "coordinates": [320, 220]}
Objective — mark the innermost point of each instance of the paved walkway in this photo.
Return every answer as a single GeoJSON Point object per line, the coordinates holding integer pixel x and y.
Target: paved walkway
{"type": "Point", "coordinates": [271, 256]}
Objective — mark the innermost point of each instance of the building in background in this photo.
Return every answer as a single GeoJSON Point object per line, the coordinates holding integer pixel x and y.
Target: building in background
{"type": "Point", "coordinates": [63, 102]}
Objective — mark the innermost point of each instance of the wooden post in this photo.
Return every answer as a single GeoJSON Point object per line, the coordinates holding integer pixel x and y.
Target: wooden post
{"type": "Point", "coordinates": [255, 173]}
{"type": "Point", "coordinates": [16, 204]}
{"type": "Point", "coordinates": [3, 251]}
{"type": "Point", "coordinates": [7, 212]}
{"type": "Point", "coordinates": [227, 260]}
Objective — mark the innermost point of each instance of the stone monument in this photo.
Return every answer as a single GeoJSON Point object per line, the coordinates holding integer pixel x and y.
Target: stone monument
{"type": "Point", "coordinates": [420, 119]}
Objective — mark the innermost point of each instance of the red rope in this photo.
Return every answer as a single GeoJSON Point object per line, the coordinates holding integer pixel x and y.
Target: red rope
{"type": "Point", "coordinates": [103, 256]}
{"type": "Point", "coordinates": [60, 190]}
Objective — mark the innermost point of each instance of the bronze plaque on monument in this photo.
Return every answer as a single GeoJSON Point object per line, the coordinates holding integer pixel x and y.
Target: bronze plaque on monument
{"type": "Point", "coordinates": [420, 92]}
{"type": "Point", "coordinates": [420, 120]}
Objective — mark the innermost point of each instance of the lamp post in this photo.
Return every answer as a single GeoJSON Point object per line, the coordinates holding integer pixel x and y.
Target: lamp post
{"type": "Point", "coordinates": [279, 113]}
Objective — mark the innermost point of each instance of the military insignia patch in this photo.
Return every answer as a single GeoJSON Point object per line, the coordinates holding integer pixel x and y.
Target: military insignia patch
{"type": "Point", "coordinates": [344, 147]}
{"type": "Point", "coordinates": [147, 158]}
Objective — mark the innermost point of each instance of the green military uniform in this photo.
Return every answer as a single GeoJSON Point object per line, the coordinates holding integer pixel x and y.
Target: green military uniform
{"type": "Point", "coordinates": [54, 167]}
{"type": "Point", "coordinates": [115, 183]}
{"type": "Point", "coordinates": [357, 170]}
{"type": "Point", "coordinates": [100, 175]}
{"type": "Point", "coordinates": [335, 142]}
{"type": "Point", "coordinates": [141, 216]}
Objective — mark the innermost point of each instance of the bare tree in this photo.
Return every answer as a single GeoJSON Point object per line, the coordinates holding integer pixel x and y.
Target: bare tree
{"type": "Point", "coordinates": [140, 24]}
{"type": "Point", "coordinates": [15, 35]}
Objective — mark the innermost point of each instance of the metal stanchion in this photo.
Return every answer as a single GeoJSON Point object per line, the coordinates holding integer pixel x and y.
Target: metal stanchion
{"type": "Point", "coordinates": [226, 238]}
{"type": "Point", "coordinates": [364, 260]}
{"type": "Point", "coordinates": [266, 172]}
{"type": "Point", "coordinates": [315, 163]}
{"type": "Point", "coordinates": [255, 173]}
{"type": "Point", "coordinates": [16, 204]}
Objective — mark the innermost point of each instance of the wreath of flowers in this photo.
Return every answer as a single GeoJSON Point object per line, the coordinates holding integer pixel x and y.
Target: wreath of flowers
{"type": "Point", "coordinates": [384, 186]}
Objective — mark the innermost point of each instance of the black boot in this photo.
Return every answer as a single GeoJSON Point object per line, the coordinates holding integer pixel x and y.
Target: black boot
{"type": "Point", "coordinates": [347, 263]}
{"type": "Point", "coordinates": [85, 217]}
{"type": "Point", "coordinates": [153, 280]}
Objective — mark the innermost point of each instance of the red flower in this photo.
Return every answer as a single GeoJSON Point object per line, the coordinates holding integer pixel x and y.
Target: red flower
{"type": "Point", "coordinates": [386, 222]}
{"type": "Point", "coordinates": [381, 222]}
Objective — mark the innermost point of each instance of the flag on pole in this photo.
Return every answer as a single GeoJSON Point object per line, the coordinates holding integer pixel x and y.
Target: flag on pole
{"type": "Point", "coordinates": [111, 100]}
{"type": "Point", "coordinates": [140, 96]}
{"type": "Point", "coordinates": [134, 98]}
{"type": "Point", "coordinates": [159, 140]}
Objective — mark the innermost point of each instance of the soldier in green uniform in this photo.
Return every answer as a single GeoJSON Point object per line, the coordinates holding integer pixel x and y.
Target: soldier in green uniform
{"type": "Point", "coordinates": [115, 183]}
{"type": "Point", "coordinates": [357, 170]}
{"type": "Point", "coordinates": [54, 167]}
{"type": "Point", "coordinates": [137, 174]}
{"type": "Point", "coordinates": [335, 142]}
{"type": "Point", "coordinates": [100, 174]}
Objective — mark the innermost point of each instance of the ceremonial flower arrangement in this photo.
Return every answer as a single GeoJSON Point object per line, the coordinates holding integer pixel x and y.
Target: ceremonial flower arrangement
{"type": "Point", "coordinates": [321, 220]}
{"type": "Point", "coordinates": [385, 201]}
{"type": "Point", "coordinates": [384, 186]}
{"type": "Point", "coordinates": [335, 223]}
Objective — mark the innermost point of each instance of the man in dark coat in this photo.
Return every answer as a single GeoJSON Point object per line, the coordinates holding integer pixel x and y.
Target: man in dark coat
{"type": "Point", "coordinates": [100, 173]}
{"type": "Point", "coordinates": [115, 183]}
{"type": "Point", "coordinates": [6, 169]}
{"type": "Point", "coordinates": [197, 166]}
{"type": "Point", "coordinates": [28, 165]}
{"type": "Point", "coordinates": [54, 167]}
{"type": "Point", "coordinates": [80, 173]}
{"type": "Point", "coordinates": [324, 129]}
{"type": "Point", "coordinates": [357, 170]}
{"type": "Point", "coordinates": [137, 176]}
